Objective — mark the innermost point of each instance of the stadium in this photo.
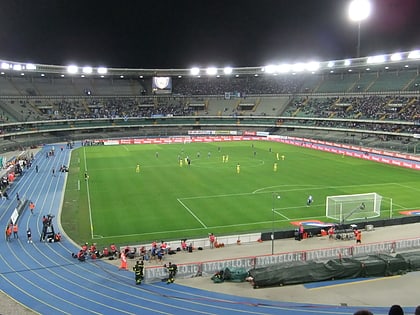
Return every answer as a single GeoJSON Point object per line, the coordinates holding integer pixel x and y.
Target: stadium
{"type": "Point", "coordinates": [131, 156]}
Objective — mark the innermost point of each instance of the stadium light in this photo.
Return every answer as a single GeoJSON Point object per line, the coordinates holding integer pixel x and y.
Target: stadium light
{"type": "Point", "coordinates": [415, 54]}
{"type": "Point", "coordinates": [359, 10]}
{"type": "Point", "coordinates": [30, 66]}
{"type": "Point", "coordinates": [376, 59]}
{"type": "Point", "coordinates": [72, 69]}
{"type": "Point", "coordinates": [195, 71]}
{"type": "Point", "coordinates": [275, 197]}
{"type": "Point", "coordinates": [87, 70]}
{"type": "Point", "coordinates": [396, 57]}
{"type": "Point", "coordinates": [211, 71]}
{"type": "Point", "coordinates": [5, 65]}
{"type": "Point", "coordinates": [270, 69]}
{"type": "Point", "coordinates": [227, 70]}
{"type": "Point", "coordinates": [312, 66]}
{"type": "Point", "coordinates": [102, 70]}
{"type": "Point", "coordinates": [298, 67]}
{"type": "Point", "coordinates": [283, 68]}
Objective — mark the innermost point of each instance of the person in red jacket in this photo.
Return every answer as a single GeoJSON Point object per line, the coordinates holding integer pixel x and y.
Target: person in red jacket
{"type": "Point", "coordinates": [358, 237]}
{"type": "Point", "coordinates": [15, 231]}
{"type": "Point", "coordinates": [212, 239]}
{"type": "Point", "coordinates": [113, 249]}
{"type": "Point", "coordinates": [8, 233]}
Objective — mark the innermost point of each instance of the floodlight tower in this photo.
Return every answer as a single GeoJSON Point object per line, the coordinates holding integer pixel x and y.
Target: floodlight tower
{"type": "Point", "coordinates": [359, 10]}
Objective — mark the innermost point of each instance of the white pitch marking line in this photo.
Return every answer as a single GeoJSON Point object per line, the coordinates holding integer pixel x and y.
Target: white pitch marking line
{"type": "Point", "coordinates": [192, 213]}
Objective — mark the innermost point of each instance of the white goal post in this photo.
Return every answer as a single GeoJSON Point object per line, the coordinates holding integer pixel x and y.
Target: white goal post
{"type": "Point", "coordinates": [346, 208]}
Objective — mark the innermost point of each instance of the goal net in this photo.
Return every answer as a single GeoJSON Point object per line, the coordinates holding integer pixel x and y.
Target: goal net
{"type": "Point", "coordinates": [353, 207]}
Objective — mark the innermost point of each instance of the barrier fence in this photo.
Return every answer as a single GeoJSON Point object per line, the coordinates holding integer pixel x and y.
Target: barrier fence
{"type": "Point", "coordinates": [208, 268]}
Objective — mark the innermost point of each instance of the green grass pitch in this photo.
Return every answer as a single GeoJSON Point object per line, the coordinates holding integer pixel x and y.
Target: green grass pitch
{"type": "Point", "coordinates": [167, 201]}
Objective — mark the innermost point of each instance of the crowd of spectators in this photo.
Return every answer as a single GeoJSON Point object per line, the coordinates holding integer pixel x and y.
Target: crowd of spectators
{"type": "Point", "coordinates": [115, 107]}
{"type": "Point", "coordinates": [245, 85]}
{"type": "Point", "coordinates": [381, 108]}
{"type": "Point", "coordinates": [356, 109]}
{"type": "Point", "coordinates": [373, 107]}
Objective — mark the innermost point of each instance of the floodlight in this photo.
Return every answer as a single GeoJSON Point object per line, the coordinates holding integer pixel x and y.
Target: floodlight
{"type": "Point", "coordinates": [194, 71]}
{"type": "Point", "coordinates": [42, 74]}
{"type": "Point", "coordinates": [211, 71]}
{"type": "Point", "coordinates": [347, 62]}
{"type": "Point", "coordinates": [62, 75]}
{"type": "Point", "coordinates": [376, 59]}
{"type": "Point", "coordinates": [227, 70]}
{"type": "Point", "coordinates": [312, 66]}
{"type": "Point", "coordinates": [121, 77]}
{"type": "Point", "coordinates": [298, 67]}
{"type": "Point", "coordinates": [5, 65]}
{"type": "Point", "coordinates": [30, 66]}
{"type": "Point", "coordinates": [331, 64]}
{"type": "Point", "coordinates": [359, 10]}
{"type": "Point", "coordinates": [17, 67]}
{"type": "Point", "coordinates": [415, 54]}
{"type": "Point", "coordinates": [22, 74]}
{"type": "Point", "coordinates": [283, 68]}
{"type": "Point", "coordinates": [87, 70]}
{"type": "Point", "coordinates": [72, 69]}
{"type": "Point", "coordinates": [270, 69]}
{"type": "Point", "coordinates": [102, 70]}
{"type": "Point", "coordinates": [396, 57]}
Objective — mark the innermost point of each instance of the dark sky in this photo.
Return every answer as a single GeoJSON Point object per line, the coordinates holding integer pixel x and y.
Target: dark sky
{"type": "Point", "coordinates": [181, 34]}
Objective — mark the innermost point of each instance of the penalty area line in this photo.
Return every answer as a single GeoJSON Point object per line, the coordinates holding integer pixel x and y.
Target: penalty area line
{"type": "Point", "coordinates": [192, 213]}
{"type": "Point", "coordinates": [282, 215]}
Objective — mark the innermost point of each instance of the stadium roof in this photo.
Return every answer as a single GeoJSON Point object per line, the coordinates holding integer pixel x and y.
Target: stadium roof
{"type": "Point", "coordinates": [395, 61]}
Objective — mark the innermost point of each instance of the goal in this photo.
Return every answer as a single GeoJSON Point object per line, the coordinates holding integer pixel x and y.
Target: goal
{"type": "Point", "coordinates": [353, 207]}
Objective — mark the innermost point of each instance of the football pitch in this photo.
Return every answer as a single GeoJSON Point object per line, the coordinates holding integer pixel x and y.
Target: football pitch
{"type": "Point", "coordinates": [167, 200]}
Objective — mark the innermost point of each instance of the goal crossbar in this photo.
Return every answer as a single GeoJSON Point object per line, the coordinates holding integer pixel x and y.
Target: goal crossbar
{"type": "Point", "coordinates": [353, 207]}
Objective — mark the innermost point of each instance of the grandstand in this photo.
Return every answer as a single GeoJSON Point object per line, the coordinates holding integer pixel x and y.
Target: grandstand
{"type": "Point", "coordinates": [376, 105]}
{"type": "Point", "coordinates": [374, 108]}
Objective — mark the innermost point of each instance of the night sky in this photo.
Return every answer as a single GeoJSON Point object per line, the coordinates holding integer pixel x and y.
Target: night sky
{"type": "Point", "coordinates": [181, 34]}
